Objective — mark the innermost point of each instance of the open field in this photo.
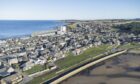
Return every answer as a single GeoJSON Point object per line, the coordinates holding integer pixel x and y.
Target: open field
{"type": "Point", "coordinates": [35, 69]}
{"type": "Point", "coordinates": [130, 46]}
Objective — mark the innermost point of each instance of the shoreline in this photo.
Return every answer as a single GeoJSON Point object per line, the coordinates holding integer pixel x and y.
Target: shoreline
{"type": "Point", "coordinates": [90, 64]}
{"type": "Point", "coordinates": [52, 27]}
{"type": "Point", "coordinates": [123, 68]}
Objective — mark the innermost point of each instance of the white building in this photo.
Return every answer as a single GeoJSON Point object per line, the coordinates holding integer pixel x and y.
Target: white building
{"type": "Point", "coordinates": [10, 70]}
{"type": "Point", "coordinates": [40, 61]}
{"type": "Point", "coordinates": [63, 30]}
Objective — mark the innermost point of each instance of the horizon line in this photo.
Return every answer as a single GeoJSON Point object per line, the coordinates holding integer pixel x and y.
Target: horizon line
{"type": "Point", "coordinates": [74, 19]}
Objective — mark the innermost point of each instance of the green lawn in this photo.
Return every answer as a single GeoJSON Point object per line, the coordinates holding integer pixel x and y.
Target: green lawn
{"type": "Point", "coordinates": [35, 69]}
{"type": "Point", "coordinates": [71, 60]}
{"type": "Point", "coordinates": [129, 45]}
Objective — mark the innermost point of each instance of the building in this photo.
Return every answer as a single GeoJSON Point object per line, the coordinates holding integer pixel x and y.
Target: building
{"type": "Point", "coordinates": [13, 79]}
{"type": "Point", "coordinates": [44, 33]}
{"type": "Point", "coordinates": [63, 29]}
{"type": "Point", "coordinates": [28, 65]}
{"type": "Point", "coordinates": [3, 72]}
{"type": "Point", "coordinates": [12, 61]}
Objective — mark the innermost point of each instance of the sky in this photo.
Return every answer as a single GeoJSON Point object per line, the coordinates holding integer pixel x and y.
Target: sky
{"type": "Point", "coordinates": [68, 9]}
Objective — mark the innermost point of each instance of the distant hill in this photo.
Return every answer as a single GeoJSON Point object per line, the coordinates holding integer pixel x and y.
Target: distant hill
{"type": "Point", "coordinates": [137, 19]}
{"type": "Point", "coordinates": [133, 27]}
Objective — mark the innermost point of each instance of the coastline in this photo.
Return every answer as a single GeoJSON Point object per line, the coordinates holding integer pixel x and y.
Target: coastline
{"type": "Point", "coordinates": [49, 25]}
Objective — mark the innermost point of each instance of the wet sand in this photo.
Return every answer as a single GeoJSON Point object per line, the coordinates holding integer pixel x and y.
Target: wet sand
{"type": "Point", "coordinates": [124, 69]}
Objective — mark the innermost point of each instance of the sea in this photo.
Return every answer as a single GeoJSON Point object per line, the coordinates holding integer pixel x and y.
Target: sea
{"type": "Point", "coordinates": [17, 28]}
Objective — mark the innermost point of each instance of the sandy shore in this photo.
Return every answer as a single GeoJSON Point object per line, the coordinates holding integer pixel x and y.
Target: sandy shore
{"type": "Point", "coordinates": [124, 69]}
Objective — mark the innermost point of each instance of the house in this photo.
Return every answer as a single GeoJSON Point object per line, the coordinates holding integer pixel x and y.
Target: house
{"type": "Point", "coordinates": [10, 70]}
{"type": "Point", "coordinates": [22, 54]}
{"type": "Point", "coordinates": [3, 71]}
{"type": "Point", "coordinates": [40, 61]}
{"type": "Point", "coordinates": [21, 58]}
{"type": "Point", "coordinates": [6, 70]}
{"type": "Point", "coordinates": [28, 65]}
{"type": "Point", "coordinates": [118, 42]}
{"type": "Point", "coordinates": [13, 79]}
{"type": "Point", "coordinates": [97, 43]}
{"type": "Point", "coordinates": [13, 60]}
{"type": "Point", "coordinates": [77, 52]}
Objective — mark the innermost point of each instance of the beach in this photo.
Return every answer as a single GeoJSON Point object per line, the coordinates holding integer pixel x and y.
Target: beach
{"type": "Point", "coordinates": [124, 69]}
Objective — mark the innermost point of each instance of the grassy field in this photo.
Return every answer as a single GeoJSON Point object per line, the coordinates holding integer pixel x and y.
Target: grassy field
{"type": "Point", "coordinates": [35, 69]}
{"type": "Point", "coordinates": [71, 60]}
{"type": "Point", "coordinates": [129, 46]}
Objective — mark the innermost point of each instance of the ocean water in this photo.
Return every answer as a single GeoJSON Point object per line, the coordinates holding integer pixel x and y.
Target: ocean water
{"type": "Point", "coordinates": [13, 28]}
